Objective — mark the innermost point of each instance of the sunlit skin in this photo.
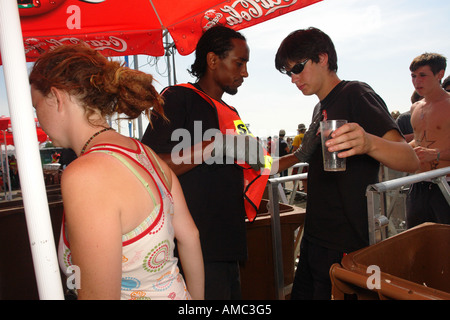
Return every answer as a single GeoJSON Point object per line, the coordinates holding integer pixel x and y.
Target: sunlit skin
{"type": "Point", "coordinates": [425, 82]}
{"type": "Point", "coordinates": [226, 75]}
{"type": "Point", "coordinates": [310, 81]}
{"type": "Point", "coordinates": [48, 113]}
{"type": "Point", "coordinates": [430, 119]}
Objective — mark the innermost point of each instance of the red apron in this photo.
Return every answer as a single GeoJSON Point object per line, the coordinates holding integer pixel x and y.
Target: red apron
{"type": "Point", "coordinates": [254, 182]}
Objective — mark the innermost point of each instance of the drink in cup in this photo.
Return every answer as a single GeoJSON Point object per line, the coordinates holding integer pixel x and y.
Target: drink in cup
{"type": "Point", "coordinates": [331, 162]}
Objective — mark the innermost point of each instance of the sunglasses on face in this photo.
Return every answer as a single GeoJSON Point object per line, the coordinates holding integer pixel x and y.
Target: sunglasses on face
{"type": "Point", "coordinates": [297, 69]}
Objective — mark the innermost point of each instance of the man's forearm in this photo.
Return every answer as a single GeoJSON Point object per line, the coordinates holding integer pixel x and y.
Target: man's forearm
{"type": "Point", "coordinates": [283, 163]}
{"type": "Point", "coordinates": [185, 161]}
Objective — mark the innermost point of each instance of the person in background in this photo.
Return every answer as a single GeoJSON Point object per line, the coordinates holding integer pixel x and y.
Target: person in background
{"type": "Point", "coordinates": [337, 219]}
{"type": "Point", "coordinates": [446, 84]}
{"type": "Point", "coordinates": [404, 119]}
{"type": "Point", "coordinates": [14, 172]}
{"type": "Point", "coordinates": [289, 141]}
{"type": "Point", "coordinates": [282, 149]}
{"type": "Point", "coordinates": [67, 156]}
{"type": "Point", "coordinates": [55, 157]}
{"type": "Point", "coordinates": [430, 119]}
{"type": "Point", "coordinates": [123, 206]}
{"type": "Point", "coordinates": [269, 145]}
{"type": "Point", "coordinates": [301, 129]}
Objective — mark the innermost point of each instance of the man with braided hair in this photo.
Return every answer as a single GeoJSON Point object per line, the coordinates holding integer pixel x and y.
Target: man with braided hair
{"type": "Point", "coordinates": [214, 183]}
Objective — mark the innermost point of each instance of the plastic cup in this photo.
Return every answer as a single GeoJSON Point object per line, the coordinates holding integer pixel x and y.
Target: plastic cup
{"type": "Point", "coordinates": [331, 162]}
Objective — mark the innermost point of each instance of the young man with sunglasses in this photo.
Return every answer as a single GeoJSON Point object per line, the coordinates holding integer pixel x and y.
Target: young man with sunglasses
{"type": "Point", "coordinates": [336, 221]}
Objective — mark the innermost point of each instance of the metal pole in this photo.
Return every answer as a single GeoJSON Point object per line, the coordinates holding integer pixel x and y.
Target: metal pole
{"type": "Point", "coordinates": [3, 168]}
{"type": "Point", "coordinates": [274, 210]}
{"type": "Point", "coordinates": [28, 158]}
{"type": "Point", "coordinates": [139, 119]}
{"type": "Point", "coordinates": [169, 71]}
{"type": "Point", "coordinates": [443, 185]}
{"type": "Point", "coordinates": [8, 173]}
{"type": "Point", "coordinates": [399, 182]}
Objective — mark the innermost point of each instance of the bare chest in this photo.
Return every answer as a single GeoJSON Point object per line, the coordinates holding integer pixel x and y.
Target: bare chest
{"type": "Point", "coordinates": [431, 124]}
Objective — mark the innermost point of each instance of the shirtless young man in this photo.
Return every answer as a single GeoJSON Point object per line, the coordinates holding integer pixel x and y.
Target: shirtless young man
{"type": "Point", "coordinates": [430, 119]}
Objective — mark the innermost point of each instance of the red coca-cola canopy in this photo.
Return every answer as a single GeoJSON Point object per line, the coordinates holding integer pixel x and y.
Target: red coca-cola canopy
{"type": "Point", "coordinates": [119, 28]}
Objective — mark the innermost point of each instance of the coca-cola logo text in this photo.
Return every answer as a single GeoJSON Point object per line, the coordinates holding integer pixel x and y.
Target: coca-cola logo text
{"type": "Point", "coordinates": [34, 47]}
{"type": "Point", "coordinates": [253, 9]}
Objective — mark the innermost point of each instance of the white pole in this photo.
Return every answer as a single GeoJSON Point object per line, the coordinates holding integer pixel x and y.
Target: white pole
{"type": "Point", "coordinates": [28, 158]}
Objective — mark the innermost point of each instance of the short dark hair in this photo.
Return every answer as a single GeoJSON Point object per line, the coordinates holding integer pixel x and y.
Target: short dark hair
{"type": "Point", "coordinates": [436, 61]}
{"type": "Point", "coordinates": [216, 39]}
{"type": "Point", "coordinates": [306, 44]}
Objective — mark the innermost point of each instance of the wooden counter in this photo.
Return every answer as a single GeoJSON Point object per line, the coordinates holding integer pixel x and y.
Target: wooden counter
{"type": "Point", "coordinates": [257, 274]}
{"type": "Point", "coordinates": [17, 278]}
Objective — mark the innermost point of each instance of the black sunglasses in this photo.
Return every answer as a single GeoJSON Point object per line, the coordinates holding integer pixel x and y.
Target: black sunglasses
{"type": "Point", "coordinates": [298, 68]}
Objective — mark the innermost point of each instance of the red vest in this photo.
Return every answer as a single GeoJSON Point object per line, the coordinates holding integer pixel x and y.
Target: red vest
{"type": "Point", "coordinates": [254, 182]}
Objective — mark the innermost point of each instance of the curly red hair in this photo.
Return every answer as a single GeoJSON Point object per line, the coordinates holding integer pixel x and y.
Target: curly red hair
{"type": "Point", "coordinates": [98, 83]}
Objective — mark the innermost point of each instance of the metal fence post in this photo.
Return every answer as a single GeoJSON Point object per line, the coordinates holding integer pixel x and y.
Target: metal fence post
{"type": "Point", "coordinates": [377, 220]}
{"type": "Point", "coordinates": [274, 210]}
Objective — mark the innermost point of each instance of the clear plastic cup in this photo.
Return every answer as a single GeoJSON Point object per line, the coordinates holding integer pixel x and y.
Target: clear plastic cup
{"type": "Point", "coordinates": [331, 162]}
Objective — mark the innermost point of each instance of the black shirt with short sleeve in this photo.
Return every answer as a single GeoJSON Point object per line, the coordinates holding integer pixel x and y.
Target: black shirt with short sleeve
{"type": "Point", "coordinates": [404, 123]}
{"type": "Point", "coordinates": [213, 192]}
{"type": "Point", "coordinates": [337, 206]}
{"type": "Point", "coordinates": [282, 146]}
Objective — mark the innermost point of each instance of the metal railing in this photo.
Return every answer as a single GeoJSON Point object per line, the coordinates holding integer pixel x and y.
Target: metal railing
{"type": "Point", "coordinates": [274, 185]}
{"type": "Point", "coordinates": [377, 219]}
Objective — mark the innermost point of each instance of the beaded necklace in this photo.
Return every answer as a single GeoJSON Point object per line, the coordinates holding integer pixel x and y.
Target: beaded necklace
{"type": "Point", "coordinates": [92, 137]}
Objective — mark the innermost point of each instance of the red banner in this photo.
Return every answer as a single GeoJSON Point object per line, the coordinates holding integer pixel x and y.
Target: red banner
{"type": "Point", "coordinates": [119, 28]}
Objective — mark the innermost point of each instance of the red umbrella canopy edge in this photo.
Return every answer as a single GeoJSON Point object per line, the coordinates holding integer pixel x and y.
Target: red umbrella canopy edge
{"type": "Point", "coordinates": [6, 131]}
{"type": "Point", "coordinates": [120, 28]}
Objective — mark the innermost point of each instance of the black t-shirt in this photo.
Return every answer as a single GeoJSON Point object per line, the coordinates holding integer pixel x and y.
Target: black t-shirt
{"type": "Point", "coordinates": [213, 192]}
{"type": "Point", "coordinates": [337, 205]}
{"type": "Point", "coordinates": [404, 123]}
{"type": "Point", "coordinates": [282, 146]}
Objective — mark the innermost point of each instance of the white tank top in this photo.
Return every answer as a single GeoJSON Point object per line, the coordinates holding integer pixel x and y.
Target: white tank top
{"type": "Point", "coordinates": [149, 268]}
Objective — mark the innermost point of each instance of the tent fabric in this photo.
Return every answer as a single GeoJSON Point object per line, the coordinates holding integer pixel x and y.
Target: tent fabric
{"type": "Point", "coordinates": [120, 28]}
{"type": "Point", "coordinates": [6, 132]}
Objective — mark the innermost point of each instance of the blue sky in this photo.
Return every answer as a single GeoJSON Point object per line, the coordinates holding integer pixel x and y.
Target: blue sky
{"type": "Point", "coordinates": [375, 40]}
